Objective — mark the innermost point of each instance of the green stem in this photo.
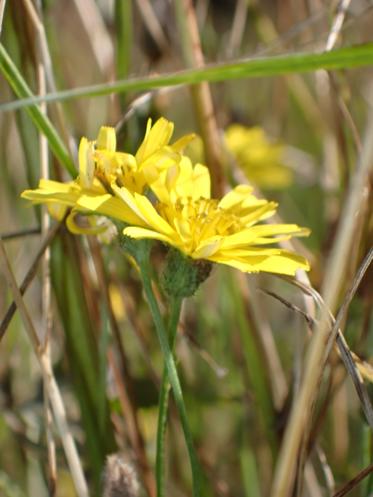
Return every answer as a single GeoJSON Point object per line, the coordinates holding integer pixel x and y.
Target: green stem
{"type": "Point", "coordinates": [172, 373]}
{"type": "Point", "coordinates": [175, 309]}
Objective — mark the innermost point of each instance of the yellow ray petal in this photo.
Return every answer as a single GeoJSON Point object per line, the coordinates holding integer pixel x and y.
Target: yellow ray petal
{"type": "Point", "coordinates": [65, 193]}
{"type": "Point", "coordinates": [156, 136]}
{"type": "Point", "coordinates": [277, 229]}
{"type": "Point", "coordinates": [239, 239]}
{"type": "Point", "coordinates": [193, 182]}
{"type": "Point", "coordinates": [151, 216]}
{"type": "Point", "coordinates": [106, 139]}
{"type": "Point", "coordinates": [252, 215]}
{"type": "Point", "coordinates": [202, 182]}
{"type": "Point", "coordinates": [207, 248]}
{"type": "Point", "coordinates": [110, 206]}
{"type": "Point", "coordinates": [141, 233]}
{"type": "Point", "coordinates": [93, 202]}
{"type": "Point", "coordinates": [282, 263]}
{"type": "Point", "coordinates": [182, 142]}
{"type": "Point", "coordinates": [236, 196]}
{"type": "Point", "coordinates": [126, 196]}
{"type": "Point", "coordinates": [86, 163]}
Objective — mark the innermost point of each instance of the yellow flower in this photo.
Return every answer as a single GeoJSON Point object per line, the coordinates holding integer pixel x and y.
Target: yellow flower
{"type": "Point", "coordinates": [135, 172]}
{"type": "Point", "coordinates": [224, 231]}
{"type": "Point", "coordinates": [102, 169]}
{"type": "Point", "coordinates": [260, 160]}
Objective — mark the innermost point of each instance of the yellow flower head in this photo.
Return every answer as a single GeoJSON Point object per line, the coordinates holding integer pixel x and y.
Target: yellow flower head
{"type": "Point", "coordinates": [224, 231]}
{"type": "Point", "coordinates": [101, 159]}
{"type": "Point", "coordinates": [260, 160]}
{"type": "Point", "coordinates": [102, 169]}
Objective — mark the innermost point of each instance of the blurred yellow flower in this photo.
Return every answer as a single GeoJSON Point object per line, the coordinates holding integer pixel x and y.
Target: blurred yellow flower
{"type": "Point", "coordinates": [224, 231]}
{"type": "Point", "coordinates": [260, 160]}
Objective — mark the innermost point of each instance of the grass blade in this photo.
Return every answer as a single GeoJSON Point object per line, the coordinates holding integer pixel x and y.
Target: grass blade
{"type": "Point", "coordinates": [343, 58]}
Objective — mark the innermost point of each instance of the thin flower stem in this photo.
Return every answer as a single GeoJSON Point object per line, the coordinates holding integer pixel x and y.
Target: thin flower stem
{"type": "Point", "coordinates": [172, 374]}
{"type": "Point", "coordinates": [175, 309]}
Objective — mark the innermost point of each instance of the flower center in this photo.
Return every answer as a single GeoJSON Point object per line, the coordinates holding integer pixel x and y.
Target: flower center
{"type": "Point", "coordinates": [198, 220]}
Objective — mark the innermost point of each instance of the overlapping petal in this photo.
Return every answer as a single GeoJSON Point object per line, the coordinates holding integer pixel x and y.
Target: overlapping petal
{"type": "Point", "coordinates": [182, 180]}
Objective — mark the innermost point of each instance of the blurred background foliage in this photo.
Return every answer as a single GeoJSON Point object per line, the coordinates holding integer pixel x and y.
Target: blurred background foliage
{"type": "Point", "coordinates": [240, 352]}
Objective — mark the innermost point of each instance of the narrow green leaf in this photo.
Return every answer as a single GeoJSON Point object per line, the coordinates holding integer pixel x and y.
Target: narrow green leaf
{"type": "Point", "coordinates": [343, 58]}
{"type": "Point", "coordinates": [22, 90]}
{"type": "Point", "coordinates": [249, 472]}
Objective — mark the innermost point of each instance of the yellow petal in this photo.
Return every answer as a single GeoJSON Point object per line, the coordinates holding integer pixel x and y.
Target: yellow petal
{"type": "Point", "coordinates": [264, 230]}
{"type": "Point", "coordinates": [202, 182]}
{"type": "Point", "coordinates": [65, 193]}
{"type": "Point", "coordinates": [140, 233]}
{"type": "Point", "coordinates": [183, 228]}
{"type": "Point", "coordinates": [182, 142]}
{"type": "Point", "coordinates": [182, 180]}
{"type": "Point", "coordinates": [162, 157]}
{"type": "Point", "coordinates": [239, 239]}
{"type": "Point", "coordinates": [252, 215]}
{"type": "Point", "coordinates": [282, 263]}
{"type": "Point", "coordinates": [247, 252]}
{"type": "Point", "coordinates": [207, 248]}
{"type": "Point", "coordinates": [126, 196]}
{"type": "Point", "coordinates": [156, 137]}
{"type": "Point", "coordinates": [165, 182]}
{"type": "Point", "coordinates": [151, 216]}
{"type": "Point", "coordinates": [193, 182]}
{"type": "Point", "coordinates": [109, 206]}
{"type": "Point", "coordinates": [236, 196]}
{"type": "Point", "coordinates": [86, 163]}
{"type": "Point", "coordinates": [106, 139]}
{"type": "Point", "coordinates": [143, 209]}
{"type": "Point", "coordinates": [93, 202]}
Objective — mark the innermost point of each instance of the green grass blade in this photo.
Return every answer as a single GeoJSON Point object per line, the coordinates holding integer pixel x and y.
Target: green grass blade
{"type": "Point", "coordinates": [343, 58]}
{"type": "Point", "coordinates": [249, 472]}
{"type": "Point", "coordinates": [22, 90]}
